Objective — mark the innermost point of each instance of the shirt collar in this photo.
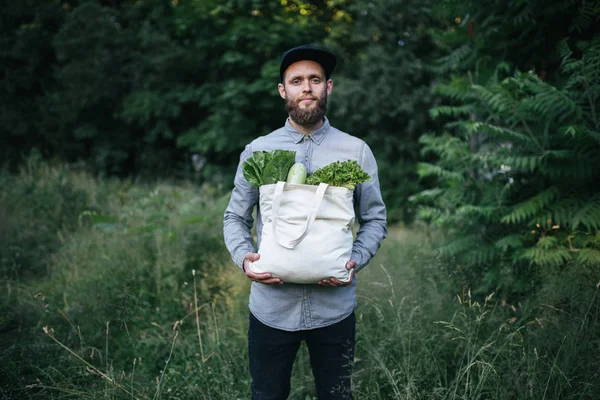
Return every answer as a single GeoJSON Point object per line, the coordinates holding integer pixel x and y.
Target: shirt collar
{"type": "Point", "coordinates": [317, 136]}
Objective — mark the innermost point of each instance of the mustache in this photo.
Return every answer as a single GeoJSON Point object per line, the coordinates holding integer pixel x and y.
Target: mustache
{"type": "Point", "coordinates": [307, 117]}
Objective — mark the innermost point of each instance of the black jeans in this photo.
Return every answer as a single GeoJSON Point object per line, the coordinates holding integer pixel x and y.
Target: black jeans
{"type": "Point", "coordinates": [272, 352]}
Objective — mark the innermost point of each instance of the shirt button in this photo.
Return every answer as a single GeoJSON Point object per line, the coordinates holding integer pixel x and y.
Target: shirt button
{"type": "Point", "coordinates": [306, 137]}
{"type": "Point", "coordinates": [305, 298]}
{"type": "Point", "coordinates": [269, 219]}
{"type": "Point", "coordinates": [306, 158]}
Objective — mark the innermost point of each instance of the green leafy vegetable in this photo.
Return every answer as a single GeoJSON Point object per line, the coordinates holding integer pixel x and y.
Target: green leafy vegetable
{"type": "Point", "coordinates": [347, 174]}
{"type": "Point", "coordinates": [264, 168]}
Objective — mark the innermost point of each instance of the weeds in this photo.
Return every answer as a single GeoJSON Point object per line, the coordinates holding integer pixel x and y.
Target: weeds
{"type": "Point", "coordinates": [115, 315]}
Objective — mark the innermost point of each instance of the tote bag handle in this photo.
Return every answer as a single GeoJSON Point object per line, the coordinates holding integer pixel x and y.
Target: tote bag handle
{"type": "Point", "coordinates": [310, 218]}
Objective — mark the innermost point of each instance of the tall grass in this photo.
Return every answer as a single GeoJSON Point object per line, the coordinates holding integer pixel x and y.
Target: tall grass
{"type": "Point", "coordinates": [131, 295]}
{"type": "Point", "coordinates": [420, 337]}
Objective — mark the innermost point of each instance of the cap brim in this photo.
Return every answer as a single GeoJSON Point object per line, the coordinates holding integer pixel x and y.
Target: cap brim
{"type": "Point", "coordinates": [326, 59]}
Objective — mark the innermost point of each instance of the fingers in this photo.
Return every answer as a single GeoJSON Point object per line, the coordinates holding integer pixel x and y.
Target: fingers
{"type": "Point", "coordinates": [251, 257]}
{"type": "Point", "coordinates": [340, 283]}
{"type": "Point", "coordinates": [265, 277]}
{"type": "Point", "coordinates": [325, 282]}
{"type": "Point", "coordinates": [259, 277]}
{"type": "Point", "coordinates": [332, 282]}
{"type": "Point", "coordinates": [270, 281]}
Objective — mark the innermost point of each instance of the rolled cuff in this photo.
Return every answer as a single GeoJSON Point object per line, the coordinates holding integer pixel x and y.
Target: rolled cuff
{"type": "Point", "coordinates": [356, 256]}
{"type": "Point", "coordinates": [239, 256]}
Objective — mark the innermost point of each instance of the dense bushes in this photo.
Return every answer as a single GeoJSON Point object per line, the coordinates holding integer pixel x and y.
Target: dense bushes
{"type": "Point", "coordinates": [518, 198]}
{"type": "Point", "coordinates": [139, 88]}
{"type": "Point", "coordinates": [519, 208]}
{"type": "Point", "coordinates": [102, 263]}
{"type": "Point", "coordinates": [136, 88]}
{"type": "Point", "coordinates": [37, 207]}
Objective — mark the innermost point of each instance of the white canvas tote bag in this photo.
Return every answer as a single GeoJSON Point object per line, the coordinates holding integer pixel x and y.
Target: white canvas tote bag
{"type": "Point", "coordinates": [307, 232]}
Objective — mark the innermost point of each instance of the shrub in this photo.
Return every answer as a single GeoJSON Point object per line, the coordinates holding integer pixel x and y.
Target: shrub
{"type": "Point", "coordinates": [36, 207]}
{"type": "Point", "coordinates": [517, 193]}
{"type": "Point", "coordinates": [126, 277]}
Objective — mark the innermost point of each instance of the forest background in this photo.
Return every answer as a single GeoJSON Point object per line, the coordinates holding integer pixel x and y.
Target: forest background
{"type": "Point", "coordinates": [121, 125]}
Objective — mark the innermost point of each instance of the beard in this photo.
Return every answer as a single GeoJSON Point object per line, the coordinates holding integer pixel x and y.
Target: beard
{"type": "Point", "coordinates": [310, 116]}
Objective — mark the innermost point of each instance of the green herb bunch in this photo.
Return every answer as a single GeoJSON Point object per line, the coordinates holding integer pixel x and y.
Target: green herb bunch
{"type": "Point", "coordinates": [347, 174]}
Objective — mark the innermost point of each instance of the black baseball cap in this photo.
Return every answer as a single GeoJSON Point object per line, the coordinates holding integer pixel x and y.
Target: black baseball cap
{"type": "Point", "coordinates": [307, 52]}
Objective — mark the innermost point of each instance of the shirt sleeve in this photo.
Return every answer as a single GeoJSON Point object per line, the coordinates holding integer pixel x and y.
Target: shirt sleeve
{"type": "Point", "coordinates": [371, 213]}
{"type": "Point", "coordinates": [238, 220]}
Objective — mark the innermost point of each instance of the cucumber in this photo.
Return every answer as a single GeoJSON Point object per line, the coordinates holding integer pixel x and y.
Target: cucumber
{"type": "Point", "coordinates": [297, 174]}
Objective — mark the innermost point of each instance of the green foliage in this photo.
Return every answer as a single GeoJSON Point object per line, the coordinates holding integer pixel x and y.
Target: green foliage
{"type": "Point", "coordinates": [480, 37]}
{"type": "Point", "coordinates": [415, 341]}
{"type": "Point", "coordinates": [139, 87]}
{"type": "Point", "coordinates": [525, 210]}
{"type": "Point", "coordinates": [26, 57]}
{"type": "Point", "coordinates": [347, 174]}
{"type": "Point", "coordinates": [237, 46]}
{"type": "Point", "coordinates": [136, 300]}
{"type": "Point", "coordinates": [382, 90]}
{"type": "Point", "coordinates": [132, 263]}
{"type": "Point", "coordinates": [37, 207]}
{"type": "Point", "coordinates": [517, 179]}
{"type": "Point", "coordinates": [264, 167]}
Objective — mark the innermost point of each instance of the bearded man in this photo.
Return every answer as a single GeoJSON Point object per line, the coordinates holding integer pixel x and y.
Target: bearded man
{"type": "Point", "coordinates": [284, 314]}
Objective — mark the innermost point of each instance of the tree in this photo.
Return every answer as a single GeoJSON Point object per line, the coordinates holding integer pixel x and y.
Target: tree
{"type": "Point", "coordinates": [516, 168]}
{"type": "Point", "coordinates": [26, 60]}
{"type": "Point", "coordinates": [383, 91]}
{"type": "Point", "coordinates": [139, 87]}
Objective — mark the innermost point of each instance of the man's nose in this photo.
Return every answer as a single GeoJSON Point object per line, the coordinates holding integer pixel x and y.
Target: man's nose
{"type": "Point", "coordinates": [307, 87]}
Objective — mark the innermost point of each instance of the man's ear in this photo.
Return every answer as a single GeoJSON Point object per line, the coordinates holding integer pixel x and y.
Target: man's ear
{"type": "Point", "coordinates": [281, 89]}
{"type": "Point", "coordinates": [329, 86]}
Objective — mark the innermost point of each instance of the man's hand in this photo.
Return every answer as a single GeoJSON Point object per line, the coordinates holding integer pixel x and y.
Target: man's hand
{"type": "Point", "coordinates": [265, 278]}
{"type": "Point", "coordinates": [334, 282]}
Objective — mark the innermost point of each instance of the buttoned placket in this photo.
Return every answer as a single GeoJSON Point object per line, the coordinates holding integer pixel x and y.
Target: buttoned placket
{"type": "Point", "coordinates": [306, 299]}
{"type": "Point", "coordinates": [306, 308]}
{"type": "Point", "coordinates": [307, 151]}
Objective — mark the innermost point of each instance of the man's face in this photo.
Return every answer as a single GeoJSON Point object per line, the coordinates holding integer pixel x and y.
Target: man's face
{"type": "Point", "coordinates": [305, 91]}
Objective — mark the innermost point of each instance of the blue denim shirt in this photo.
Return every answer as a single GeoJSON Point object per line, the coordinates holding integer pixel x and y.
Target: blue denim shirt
{"type": "Point", "coordinates": [291, 306]}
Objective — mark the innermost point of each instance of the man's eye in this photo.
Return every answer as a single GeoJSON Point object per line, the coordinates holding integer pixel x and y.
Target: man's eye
{"type": "Point", "coordinates": [316, 80]}
{"type": "Point", "coordinates": [296, 81]}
